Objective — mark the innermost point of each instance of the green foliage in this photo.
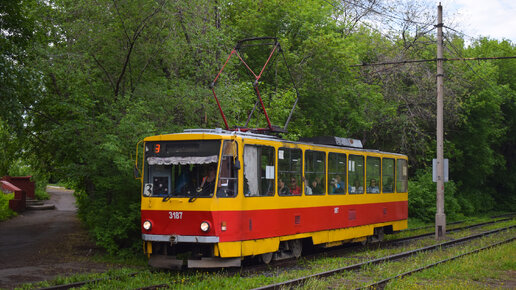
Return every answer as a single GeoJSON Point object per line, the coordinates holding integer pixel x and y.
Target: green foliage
{"type": "Point", "coordinates": [422, 192]}
{"type": "Point", "coordinates": [9, 147]}
{"type": "Point", "coordinates": [115, 227]}
{"type": "Point", "coordinates": [5, 211]}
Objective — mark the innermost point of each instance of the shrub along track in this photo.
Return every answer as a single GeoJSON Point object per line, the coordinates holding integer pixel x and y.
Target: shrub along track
{"type": "Point", "coordinates": [253, 269]}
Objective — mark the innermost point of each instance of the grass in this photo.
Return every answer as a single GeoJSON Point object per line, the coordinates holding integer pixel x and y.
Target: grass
{"type": "Point", "coordinates": [5, 211]}
{"type": "Point", "coordinates": [41, 193]}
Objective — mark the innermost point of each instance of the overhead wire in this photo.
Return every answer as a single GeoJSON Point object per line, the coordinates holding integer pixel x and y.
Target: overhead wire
{"type": "Point", "coordinates": [457, 52]}
{"type": "Point", "coordinates": [460, 32]}
{"type": "Point", "coordinates": [383, 14]}
{"type": "Point", "coordinates": [379, 13]}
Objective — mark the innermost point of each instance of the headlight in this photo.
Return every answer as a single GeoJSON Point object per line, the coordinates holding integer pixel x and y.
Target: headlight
{"type": "Point", "coordinates": [205, 226]}
{"type": "Point", "coordinates": [147, 225]}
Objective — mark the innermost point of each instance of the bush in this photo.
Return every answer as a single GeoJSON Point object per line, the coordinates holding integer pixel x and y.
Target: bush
{"type": "Point", "coordinates": [422, 198]}
{"type": "Point", "coordinates": [5, 211]}
{"type": "Point", "coordinates": [477, 201]}
{"type": "Point", "coordinates": [114, 223]}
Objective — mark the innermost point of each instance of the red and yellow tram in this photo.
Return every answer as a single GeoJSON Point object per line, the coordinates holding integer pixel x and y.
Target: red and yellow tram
{"type": "Point", "coordinates": [213, 197]}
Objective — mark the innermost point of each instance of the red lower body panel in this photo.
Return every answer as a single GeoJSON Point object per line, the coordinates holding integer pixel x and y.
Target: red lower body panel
{"type": "Point", "coordinates": [259, 224]}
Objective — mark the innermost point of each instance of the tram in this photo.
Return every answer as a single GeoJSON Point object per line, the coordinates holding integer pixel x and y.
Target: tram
{"type": "Point", "coordinates": [212, 197]}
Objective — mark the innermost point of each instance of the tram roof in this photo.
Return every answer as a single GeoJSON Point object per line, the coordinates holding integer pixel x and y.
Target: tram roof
{"type": "Point", "coordinates": [219, 131]}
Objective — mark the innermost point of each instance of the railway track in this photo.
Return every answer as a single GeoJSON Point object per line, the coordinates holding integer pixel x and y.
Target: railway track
{"type": "Point", "coordinates": [327, 253]}
{"type": "Point", "coordinates": [448, 230]}
{"type": "Point", "coordinates": [381, 284]}
{"type": "Point", "coordinates": [507, 215]}
{"type": "Point", "coordinates": [82, 283]}
{"type": "Point", "coordinates": [300, 281]}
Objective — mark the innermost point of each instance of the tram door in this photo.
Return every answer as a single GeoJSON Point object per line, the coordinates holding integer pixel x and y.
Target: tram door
{"type": "Point", "coordinates": [259, 172]}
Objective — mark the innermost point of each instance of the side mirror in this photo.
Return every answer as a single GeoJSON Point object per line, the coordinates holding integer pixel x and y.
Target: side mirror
{"type": "Point", "coordinates": [136, 172]}
{"type": "Point", "coordinates": [237, 164]}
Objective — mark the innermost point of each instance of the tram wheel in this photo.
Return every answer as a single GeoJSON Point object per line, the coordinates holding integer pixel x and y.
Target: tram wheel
{"type": "Point", "coordinates": [296, 246]}
{"type": "Point", "coordinates": [266, 258]}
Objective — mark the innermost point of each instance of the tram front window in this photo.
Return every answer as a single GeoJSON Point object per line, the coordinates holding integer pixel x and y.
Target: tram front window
{"type": "Point", "coordinates": [181, 168]}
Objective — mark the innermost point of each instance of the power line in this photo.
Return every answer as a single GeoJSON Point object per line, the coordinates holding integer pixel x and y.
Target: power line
{"type": "Point", "coordinates": [471, 68]}
{"type": "Point", "coordinates": [382, 13]}
{"type": "Point", "coordinates": [379, 13]}
{"type": "Point", "coordinates": [460, 32]}
{"type": "Point", "coordinates": [432, 60]}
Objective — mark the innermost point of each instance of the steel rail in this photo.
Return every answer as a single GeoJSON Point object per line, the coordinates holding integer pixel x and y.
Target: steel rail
{"type": "Point", "coordinates": [449, 230]}
{"type": "Point", "coordinates": [302, 280]}
{"type": "Point", "coordinates": [82, 283]}
{"type": "Point", "coordinates": [382, 283]}
{"type": "Point", "coordinates": [159, 286]}
{"type": "Point", "coordinates": [512, 214]}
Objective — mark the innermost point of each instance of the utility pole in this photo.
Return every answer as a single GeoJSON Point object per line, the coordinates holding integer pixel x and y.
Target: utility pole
{"type": "Point", "coordinates": [440, 217]}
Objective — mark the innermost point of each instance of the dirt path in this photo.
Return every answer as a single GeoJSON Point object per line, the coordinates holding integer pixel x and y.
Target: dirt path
{"type": "Point", "coordinates": [41, 244]}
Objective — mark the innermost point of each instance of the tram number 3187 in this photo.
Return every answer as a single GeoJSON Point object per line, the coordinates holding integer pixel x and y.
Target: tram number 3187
{"type": "Point", "coordinates": [175, 215]}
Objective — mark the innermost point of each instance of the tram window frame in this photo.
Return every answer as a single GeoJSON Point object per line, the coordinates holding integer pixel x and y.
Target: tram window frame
{"type": "Point", "coordinates": [402, 175]}
{"type": "Point", "coordinates": [288, 169]}
{"type": "Point", "coordinates": [261, 172]}
{"type": "Point", "coordinates": [333, 171]}
{"type": "Point", "coordinates": [371, 175]}
{"type": "Point", "coordinates": [227, 166]}
{"type": "Point", "coordinates": [312, 173]}
{"type": "Point", "coordinates": [385, 177]}
{"type": "Point", "coordinates": [353, 165]}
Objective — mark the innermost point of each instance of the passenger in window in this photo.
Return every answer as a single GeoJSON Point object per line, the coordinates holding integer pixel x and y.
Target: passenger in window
{"type": "Point", "coordinates": [282, 189]}
{"type": "Point", "coordinates": [308, 190]}
{"type": "Point", "coordinates": [316, 187]}
{"type": "Point", "coordinates": [337, 185]}
{"type": "Point", "coordinates": [294, 188]}
{"type": "Point", "coordinates": [388, 185]}
{"type": "Point", "coordinates": [270, 188]}
{"type": "Point", "coordinates": [357, 187]}
{"type": "Point", "coordinates": [207, 186]}
{"type": "Point", "coordinates": [373, 187]}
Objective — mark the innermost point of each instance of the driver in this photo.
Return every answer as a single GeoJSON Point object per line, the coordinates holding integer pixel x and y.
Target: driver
{"type": "Point", "coordinates": [207, 186]}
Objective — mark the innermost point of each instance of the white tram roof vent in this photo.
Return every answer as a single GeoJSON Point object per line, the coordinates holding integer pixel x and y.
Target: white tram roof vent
{"type": "Point", "coordinates": [212, 131]}
{"type": "Point", "coordinates": [237, 132]}
{"type": "Point", "coordinates": [335, 141]}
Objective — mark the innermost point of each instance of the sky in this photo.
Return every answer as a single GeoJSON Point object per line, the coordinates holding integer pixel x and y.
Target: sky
{"type": "Point", "coordinates": [492, 18]}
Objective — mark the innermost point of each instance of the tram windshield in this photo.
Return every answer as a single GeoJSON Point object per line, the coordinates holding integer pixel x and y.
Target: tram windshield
{"type": "Point", "coordinates": [181, 168]}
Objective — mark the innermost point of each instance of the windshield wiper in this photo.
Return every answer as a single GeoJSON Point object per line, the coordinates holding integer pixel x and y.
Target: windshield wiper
{"type": "Point", "coordinates": [194, 196]}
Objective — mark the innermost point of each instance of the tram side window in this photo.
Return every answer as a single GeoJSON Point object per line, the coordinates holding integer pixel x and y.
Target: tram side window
{"type": "Point", "coordinates": [373, 175]}
{"type": "Point", "coordinates": [387, 175]}
{"type": "Point", "coordinates": [402, 177]}
{"type": "Point", "coordinates": [315, 167]}
{"type": "Point", "coordinates": [259, 170]}
{"type": "Point", "coordinates": [289, 171]}
{"type": "Point", "coordinates": [337, 173]}
{"type": "Point", "coordinates": [356, 174]}
{"type": "Point", "coordinates": [228, 174]}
